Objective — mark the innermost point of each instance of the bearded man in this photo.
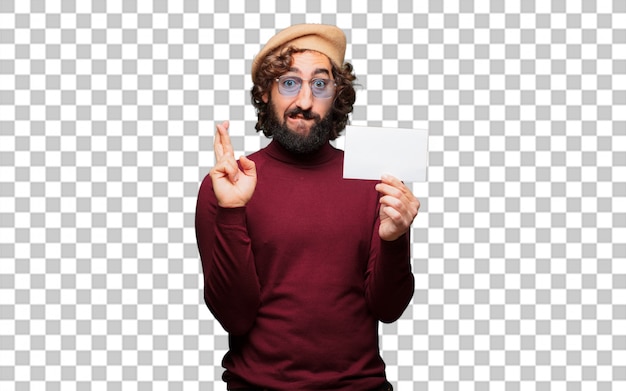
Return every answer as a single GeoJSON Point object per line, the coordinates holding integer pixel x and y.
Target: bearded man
{"type": "Point", "coordinates": [301, 265]}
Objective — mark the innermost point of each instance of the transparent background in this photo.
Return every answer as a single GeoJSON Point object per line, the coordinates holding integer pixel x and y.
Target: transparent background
{"type": "Point", "coordinates": [107, 112]}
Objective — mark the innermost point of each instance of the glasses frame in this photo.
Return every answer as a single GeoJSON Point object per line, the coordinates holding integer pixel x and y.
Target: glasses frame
{"type": "Point", "coordinates": [330, 82]}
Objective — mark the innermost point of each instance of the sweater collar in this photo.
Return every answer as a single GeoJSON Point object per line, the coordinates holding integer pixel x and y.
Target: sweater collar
{"type": "Point", "coordinates": [323, 155]}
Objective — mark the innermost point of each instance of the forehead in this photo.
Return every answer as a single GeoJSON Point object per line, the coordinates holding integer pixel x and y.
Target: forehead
{"type": "Point", "coordinates": [310, 62]}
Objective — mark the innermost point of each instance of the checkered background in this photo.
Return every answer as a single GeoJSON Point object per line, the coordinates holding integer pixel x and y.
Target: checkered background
{"type": "Point", "coordinates": [107, 112]}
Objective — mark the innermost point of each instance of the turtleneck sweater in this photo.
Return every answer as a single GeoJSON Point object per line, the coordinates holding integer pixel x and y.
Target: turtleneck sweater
{"type": "Point", "coordinates": [299, 277]}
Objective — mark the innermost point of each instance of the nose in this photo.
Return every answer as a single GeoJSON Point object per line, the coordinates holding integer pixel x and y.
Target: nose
{"type": "Point", "coordinates": [304, 99]}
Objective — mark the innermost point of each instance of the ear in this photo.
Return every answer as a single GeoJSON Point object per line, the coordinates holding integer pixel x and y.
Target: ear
{"type": "Point", "coordinates": [265, 98]}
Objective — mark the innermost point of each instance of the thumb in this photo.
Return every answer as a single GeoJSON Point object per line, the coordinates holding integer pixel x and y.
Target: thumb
{"type": "Point", "coordinates": [247, 166]}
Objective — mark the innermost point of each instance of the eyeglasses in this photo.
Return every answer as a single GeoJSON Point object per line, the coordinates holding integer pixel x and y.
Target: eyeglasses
{"type": "Point", "coordinates": [291, 85]}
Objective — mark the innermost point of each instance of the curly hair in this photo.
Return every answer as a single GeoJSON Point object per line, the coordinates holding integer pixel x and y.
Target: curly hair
{"type": "Point", "coordinates": [276, 64]}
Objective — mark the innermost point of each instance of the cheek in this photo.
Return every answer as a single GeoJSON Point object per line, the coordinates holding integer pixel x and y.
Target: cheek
{"type": "Point", "coordinates": [324, 108]}
{"type": "Point", "coordinates": [279, 107]}
{"type": "Point", "coordinates": [279, 102]}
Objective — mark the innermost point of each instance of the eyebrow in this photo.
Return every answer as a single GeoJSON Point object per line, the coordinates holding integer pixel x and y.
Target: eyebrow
{"type": "Point", "coordinates": [316, 72]}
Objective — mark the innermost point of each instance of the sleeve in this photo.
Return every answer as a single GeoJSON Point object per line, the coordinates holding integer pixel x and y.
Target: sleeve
{"type": "Point", "coordinates": [231, 285]}
{"type": "Point", "coordinates": [389, 280]}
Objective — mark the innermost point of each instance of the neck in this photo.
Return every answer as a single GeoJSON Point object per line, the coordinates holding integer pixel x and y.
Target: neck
{"type": "Point", "coordinates": [321, 155]}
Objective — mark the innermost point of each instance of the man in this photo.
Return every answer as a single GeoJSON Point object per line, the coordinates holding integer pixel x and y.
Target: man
{"type": "Point", "coordinates": [300, 264]}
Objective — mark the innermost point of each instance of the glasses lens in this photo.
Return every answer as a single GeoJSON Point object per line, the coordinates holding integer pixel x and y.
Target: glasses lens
{"type": "Point", "coordinates": [289, 85]}
{"type": "Point", "coordinates": [322, 88]}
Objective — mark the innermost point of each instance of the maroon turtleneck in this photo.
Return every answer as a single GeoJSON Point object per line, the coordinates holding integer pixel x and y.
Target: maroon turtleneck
{"type": "Point", "coordinates": [299, 277]}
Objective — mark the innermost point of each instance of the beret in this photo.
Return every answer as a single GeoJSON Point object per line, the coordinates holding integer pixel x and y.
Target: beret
{"type": "Point", "coordinates": [323, 38]}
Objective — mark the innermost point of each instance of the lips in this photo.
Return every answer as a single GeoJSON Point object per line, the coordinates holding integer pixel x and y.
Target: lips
{"type": "Point", "coordinates": [301, 114]}
{"type": "Point", "coordinates": [296, 116]}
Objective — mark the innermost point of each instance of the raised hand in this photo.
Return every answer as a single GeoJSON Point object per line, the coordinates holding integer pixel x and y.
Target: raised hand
{"type": "Point", "coordinates": [233, 186]}
{"type": "Point", "coordinates": [398, 208]}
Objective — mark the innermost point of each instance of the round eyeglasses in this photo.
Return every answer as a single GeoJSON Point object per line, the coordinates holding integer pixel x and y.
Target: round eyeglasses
{"type": "Point", "coordinates": [320, 88]}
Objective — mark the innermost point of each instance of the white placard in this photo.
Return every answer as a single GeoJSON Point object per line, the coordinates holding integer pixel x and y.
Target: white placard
{"type": "Point", "coordinates": [371, 152]}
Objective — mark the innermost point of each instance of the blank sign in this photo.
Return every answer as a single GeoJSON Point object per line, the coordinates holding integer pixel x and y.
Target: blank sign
{"type": "Point", "coordinates": [371, 152]}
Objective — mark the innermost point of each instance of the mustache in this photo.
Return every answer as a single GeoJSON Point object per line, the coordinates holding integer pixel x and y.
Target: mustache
{"type": "Point", "coordinates": [306, 114]}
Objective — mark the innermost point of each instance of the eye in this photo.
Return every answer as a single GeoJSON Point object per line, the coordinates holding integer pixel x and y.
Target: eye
{"type": "Point", "coordinates": [319, 83]}
{"type": "Point", "coordinates": [290, 83]}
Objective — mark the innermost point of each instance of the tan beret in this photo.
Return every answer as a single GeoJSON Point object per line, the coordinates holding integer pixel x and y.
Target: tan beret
{"type": "Point", "coordinates": [323, 38]}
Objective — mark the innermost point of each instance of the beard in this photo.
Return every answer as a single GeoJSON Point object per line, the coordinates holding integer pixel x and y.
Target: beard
{"type": "Point", "coordinates": [295, 142]}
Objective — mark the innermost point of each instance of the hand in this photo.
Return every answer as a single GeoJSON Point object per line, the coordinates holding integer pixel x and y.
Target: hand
{"type": "Point", "coordinates": [398, 208]}
{"type": "Point", "coordinates": [233, 186]}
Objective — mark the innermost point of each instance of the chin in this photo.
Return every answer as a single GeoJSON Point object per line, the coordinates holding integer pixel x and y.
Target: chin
{"type": "Point", "coordinates": [299, 126]}
{"type": "Point", "coordinates": [302, 130]}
